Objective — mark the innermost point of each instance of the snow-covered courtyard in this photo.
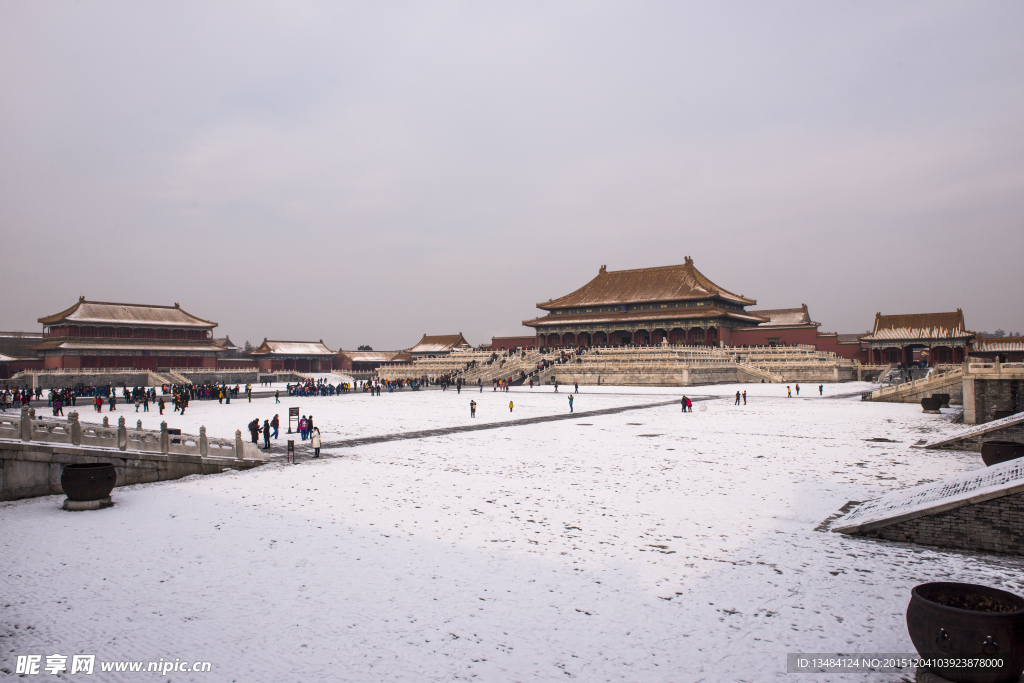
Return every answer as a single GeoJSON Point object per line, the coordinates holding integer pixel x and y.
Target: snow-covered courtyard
{"type": "Point", "coordinates": [646, 545]}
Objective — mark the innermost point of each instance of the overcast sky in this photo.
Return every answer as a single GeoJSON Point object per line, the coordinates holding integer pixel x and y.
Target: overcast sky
{"type": "Point", "coordinates": [367, 172]}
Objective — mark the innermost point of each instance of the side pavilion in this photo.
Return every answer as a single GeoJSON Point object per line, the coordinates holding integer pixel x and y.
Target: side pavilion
{"type": "Point", "coordinates": [432, 346]}
{"type": "Point", "coordinates": [930, 337]}
{"type": "Point", "coordinates": [299, 356]}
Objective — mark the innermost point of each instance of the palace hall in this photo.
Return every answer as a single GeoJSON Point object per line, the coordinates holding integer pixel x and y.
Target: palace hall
{"type": "Point", "coordinates": [96, 334]}
{"type": "Point", "coordinates": [644, 306]}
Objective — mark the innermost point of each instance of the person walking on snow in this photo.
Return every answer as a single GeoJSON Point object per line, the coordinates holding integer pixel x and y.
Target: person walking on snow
{"type": "Point", "coordinates": [472, 408]}
{"type": "Point", "coordinates": [577, 385]}
{"type": "Point", "coordinates": [266, 435]}
{"type": "Point", "coordinates": [315, 438]}
{"type": "Point", "coordinates": [821, 390]}
{"type": "Point", "coordinates": [744, 398]}
{"type": "Point", "coordinates": [797, 389]}
{"type": "Point", "coordinates": [737, 398]}
{"type": "Point", "coordinates": [275, 423]}
{"type": "Point", "coordinates": [510, 406]}
{"type": "Point", "coordinates": [689, 406]}
{"type": "Point", "coordinates": [277, 396]}
{"type": "Point", "coordinates": [682, 402]}
{"type": "Point", "coordinates": [570, 403]}
{"type": "Point", "coordinates": [789, 392]}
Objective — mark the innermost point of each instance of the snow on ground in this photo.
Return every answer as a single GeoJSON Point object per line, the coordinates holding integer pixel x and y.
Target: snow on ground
{"type": "Point", "coordinates": [358, 414]}
{"type": "Point", "coordinates": [646, 545]}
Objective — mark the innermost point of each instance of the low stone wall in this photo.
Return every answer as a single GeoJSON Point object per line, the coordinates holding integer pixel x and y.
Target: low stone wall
{"type": "Point", "coordinates": [955, 389]}
{"type": "Point", "coordinates": [230, 377]}
{"type": "Point", "coordinates": [68, 380]}
{"type": "Point", "coordinates": [983, 396]}
{"type": "Point", "coordinates": [723, 374]}
{"type": "Point", "coordinates": [816, 374]}
{"type": "Point", "coordinates": [995, 525]}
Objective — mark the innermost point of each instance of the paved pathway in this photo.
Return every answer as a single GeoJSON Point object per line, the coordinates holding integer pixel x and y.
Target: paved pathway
{"type": "Point", "coordinates": [304, 451]}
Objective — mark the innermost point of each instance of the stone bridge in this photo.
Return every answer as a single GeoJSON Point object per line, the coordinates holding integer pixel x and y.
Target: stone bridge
{"type": "Point", "coordinates": [33, 453]}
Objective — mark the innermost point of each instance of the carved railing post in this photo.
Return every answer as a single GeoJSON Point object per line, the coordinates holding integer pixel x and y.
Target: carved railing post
{"type": "Point", "coordinates": [26, 424]}
{"type": "Point", "coordinates": [122, 434]}
{"type": "Point", "coordinates": [76, 428]}
{"type": "Point", "coordinates": [165, 439]}
{"type": "Point", "coordinates": [138, 425]}
{"type": "Point", "coordinates": [106, 421]}
{"type": "Point", "coordinates": [32, 413]}
{"type": "Point", "coordinates": [239, 447]}
{"type": "Point", "coordinates": [204, 443]}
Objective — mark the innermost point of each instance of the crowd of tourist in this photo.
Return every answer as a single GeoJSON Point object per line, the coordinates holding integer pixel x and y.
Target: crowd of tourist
{"type": "Point", "coordinates": [15, 399]}
{"type": "Point", "coordinates": [318, 387]}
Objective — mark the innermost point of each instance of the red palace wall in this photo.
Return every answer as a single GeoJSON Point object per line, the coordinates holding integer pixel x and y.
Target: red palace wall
{"type": "Point", "coordinates": [785, 336]}
{"type": "Point", "coordinates": [797, 335]}
{"type": "Point", "coordinates": [235, 364]}
{"type": "Point", "coordinates": [506, 343]}
{"type": "Point", "coordinates": [8, 369]}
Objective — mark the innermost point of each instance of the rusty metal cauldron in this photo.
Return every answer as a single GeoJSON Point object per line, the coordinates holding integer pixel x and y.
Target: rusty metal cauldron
{"type": "Point", "coordinates": [944, 398]}
{"type": "Point", "coordinates": [88, 481]}
{"type": "Point", "coordinates": [963, 620]}
{"type": "Point", "coordinates": [995, 452]}
{"type": "Point", "coordinates": [931, 404]}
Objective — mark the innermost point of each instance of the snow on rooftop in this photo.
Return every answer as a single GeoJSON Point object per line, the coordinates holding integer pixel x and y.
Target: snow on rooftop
{"type": "Point", "coordinates": [1001, 479]}
{"type": "Point", "coordinates": [974, 430]}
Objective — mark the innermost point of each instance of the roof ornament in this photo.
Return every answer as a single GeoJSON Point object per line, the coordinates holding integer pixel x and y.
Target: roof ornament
{"type": "Point", "coordinates": [81, 297]}
{"type": "Point", "coordinates": [689, 261]}
{"type": "Point", "coordinates": [602, 270]}
{"type": "Point", "coordinates": [176, 305]}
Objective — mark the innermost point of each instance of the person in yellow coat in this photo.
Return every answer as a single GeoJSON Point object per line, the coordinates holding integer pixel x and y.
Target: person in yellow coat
{"type": "Point", "coordinates": [510, 406]}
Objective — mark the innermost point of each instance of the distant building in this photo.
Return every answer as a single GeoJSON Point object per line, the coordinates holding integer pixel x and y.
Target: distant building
{"type": "Point", "coordinates": [17, 354]}
{"type": "Point", "coordinates": [226, 344]}
{"type": "Point", "coordinates": [931, 337]}
{"type": "Point", "coordinates": [19, 344]}
{"type": "Point", "coordinates": [297, 356]}
{"type": "Point", "coordinates": [644, 306]}
{"type": "Point", "coordinates": [369, 361]}
{"type": "Point", "coordinates": [95, 334]}
{"type": "Point", "coordinates": [780, 327]}
{"type": "Point", "coordinates": [789, 326]}
{"type": "Point", "coordinates": [1002, 349]}
{"type": "Point", "coordinates": [431, 346]}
